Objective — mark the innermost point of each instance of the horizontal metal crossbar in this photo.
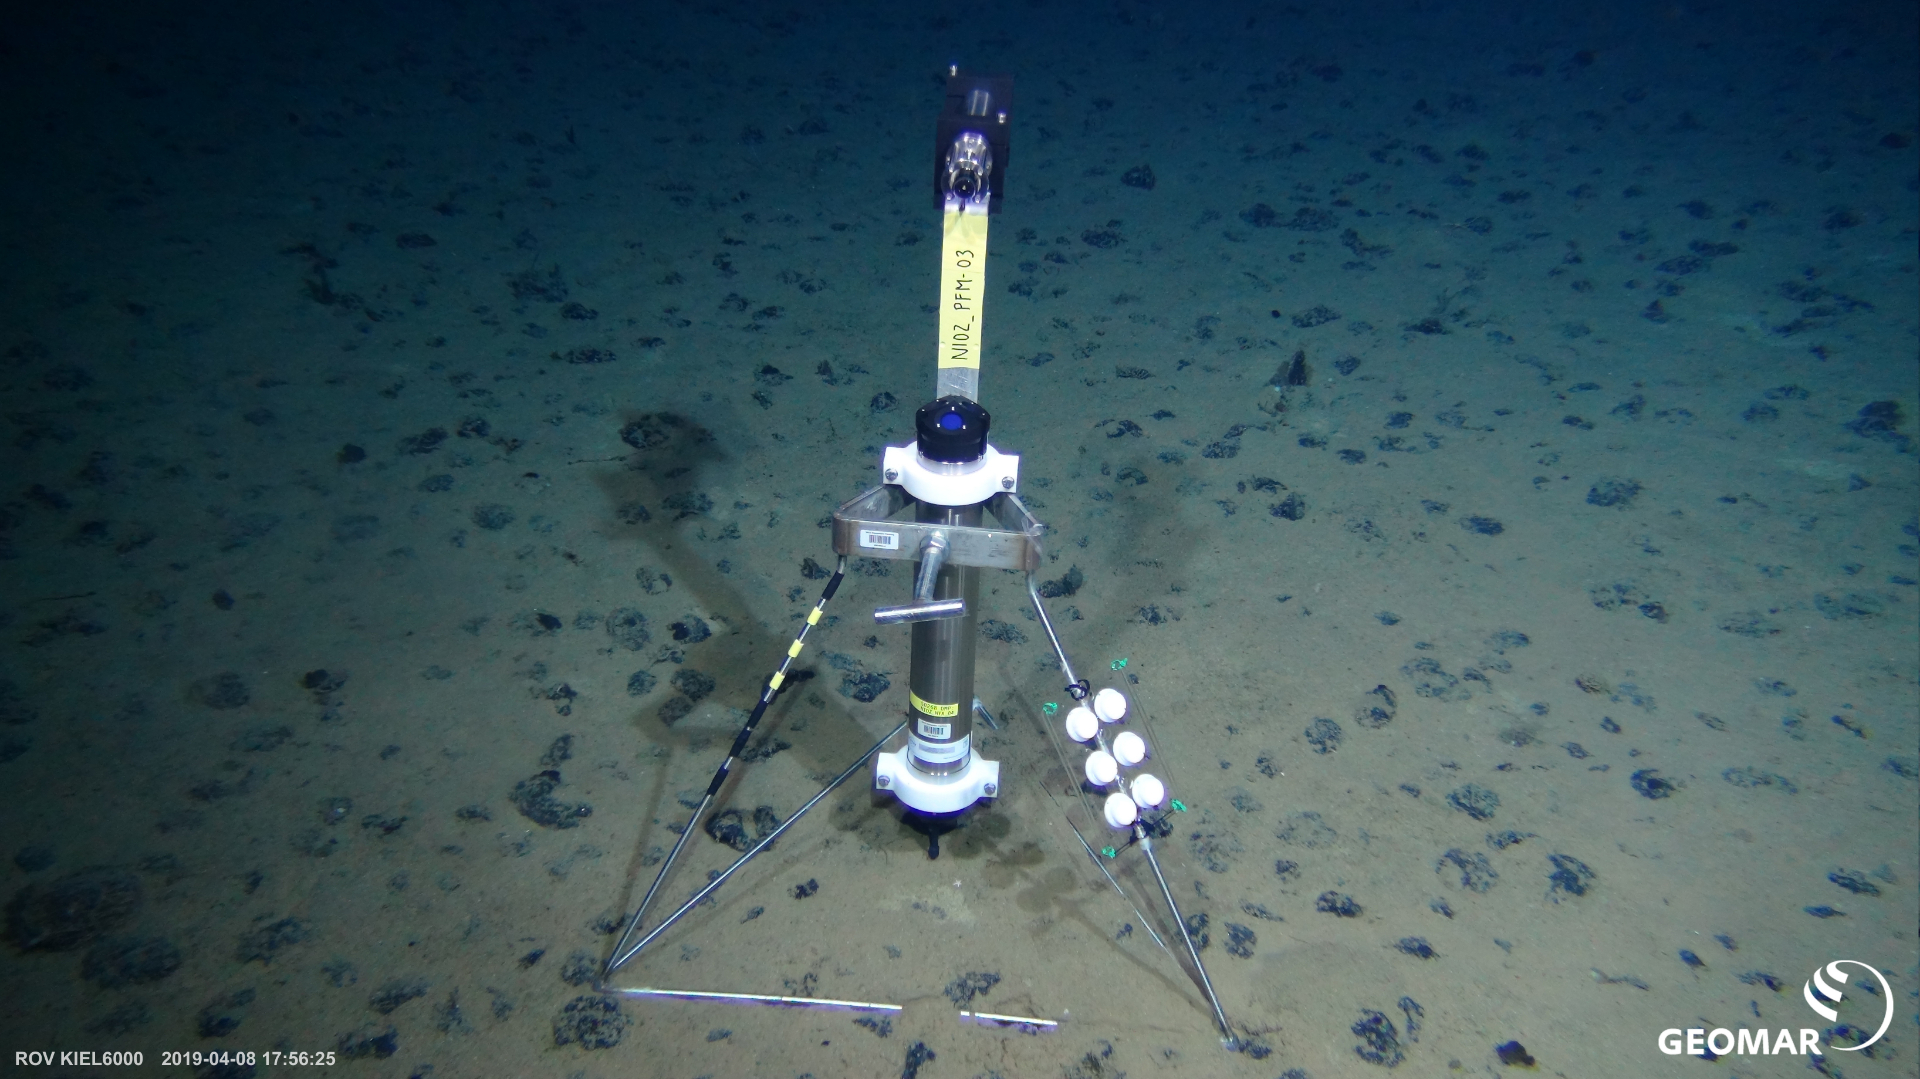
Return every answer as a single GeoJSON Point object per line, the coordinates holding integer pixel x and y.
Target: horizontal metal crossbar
{"type": "Point", "coordinates": [864, 527]}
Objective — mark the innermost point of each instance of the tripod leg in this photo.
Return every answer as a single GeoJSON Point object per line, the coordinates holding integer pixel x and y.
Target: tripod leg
{"type": "Point", "coordinates": [621, 958]}
{"type": "Point", "coordinates": [767, 695]}
{"type": "Point", "coordinates": [1219, 1014]}
{"type": "Point", "coordinates": [693, 823]}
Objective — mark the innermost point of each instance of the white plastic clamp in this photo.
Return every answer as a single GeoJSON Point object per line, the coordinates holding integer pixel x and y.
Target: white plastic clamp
{"type": "Point", "coordinates": [942, 484]}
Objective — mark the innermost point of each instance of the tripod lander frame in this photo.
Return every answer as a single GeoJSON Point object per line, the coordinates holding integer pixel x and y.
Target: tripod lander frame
{"type": "Point", "coordinates": [953, 480]}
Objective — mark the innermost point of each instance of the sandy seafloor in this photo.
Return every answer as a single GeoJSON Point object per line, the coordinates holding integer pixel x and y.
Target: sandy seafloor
{"type": "Point", "coordinates": [321, 534]}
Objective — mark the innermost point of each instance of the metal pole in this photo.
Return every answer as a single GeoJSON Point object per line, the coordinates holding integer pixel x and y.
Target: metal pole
{"type": "Point", "coordinates": [1102, 867]}
{"type": "Point", "coordinates": [620, 958]}
{"type": "Point", "coordinates": [767, 694]}
{"type": "Point", "coordinates": [660, 877]}
{"type": "Point", "coordinates": [758, 998]}
{"type": "Point", "coordinates": [941, 659]}
{"type": "Point", "coordinates": [1039, 608]}
{"type": "Point", "coordinates": [1219, 1014]}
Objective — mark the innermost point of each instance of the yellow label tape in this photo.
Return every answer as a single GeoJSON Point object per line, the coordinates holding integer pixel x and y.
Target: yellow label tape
{"type": "Point", "coordinates": [963, 279]}
{"type": "Point", "coordinates": [938, 711]}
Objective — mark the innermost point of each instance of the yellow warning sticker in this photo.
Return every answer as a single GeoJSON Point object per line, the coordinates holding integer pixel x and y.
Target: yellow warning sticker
{"type": "Point", "coordinates": [940, 711]}
{"type": "Point", "coordinates": [963, 279]}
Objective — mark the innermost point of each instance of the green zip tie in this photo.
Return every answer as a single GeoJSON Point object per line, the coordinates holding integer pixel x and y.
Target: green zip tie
{"type": "Point", "coordinates": [1178, 806]}
{"type": "Point", "coordinates": [1110, 852]}
{"type": "Point", "coordinates": [1119, 663]}
{"type": "Point", "coordinates": [1049, 708]}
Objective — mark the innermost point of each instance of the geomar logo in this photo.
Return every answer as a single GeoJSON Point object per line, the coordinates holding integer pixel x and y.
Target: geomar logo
{"type": "Point", "coordinates": [1827, 984]}
{"type": "Point", "coordinates": [1834, 992]}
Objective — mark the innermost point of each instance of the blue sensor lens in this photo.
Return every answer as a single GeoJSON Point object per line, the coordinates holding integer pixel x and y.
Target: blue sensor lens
{"type": "Point", "coordinates": [951, 422]}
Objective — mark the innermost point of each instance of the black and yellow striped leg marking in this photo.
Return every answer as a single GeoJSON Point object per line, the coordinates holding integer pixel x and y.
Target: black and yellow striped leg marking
{"type": "Point", "coordinates": [772, 689]}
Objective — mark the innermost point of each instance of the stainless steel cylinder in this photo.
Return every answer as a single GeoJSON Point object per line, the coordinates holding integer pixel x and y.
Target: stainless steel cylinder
{"type": "Point", "coordinates": [940, 685]}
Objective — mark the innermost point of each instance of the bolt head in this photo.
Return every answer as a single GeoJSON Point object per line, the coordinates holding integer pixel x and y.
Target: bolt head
{"type": "Point", "coordinates": [893, 475]}
{"type": "Point", "coordinates": [990, 789]}
{"type": "Point", "coordinates": [883, 782]}
{"type": "Point", "coordinates": [1006, 483]}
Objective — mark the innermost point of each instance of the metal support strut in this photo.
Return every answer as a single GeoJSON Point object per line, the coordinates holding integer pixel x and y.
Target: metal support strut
{"type": "Point", "coordinates": [620, 958]}
{"type": "Point", "coordinates": [767, 695]}
{"type": "Point", "coordinates": [1206, 983]}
